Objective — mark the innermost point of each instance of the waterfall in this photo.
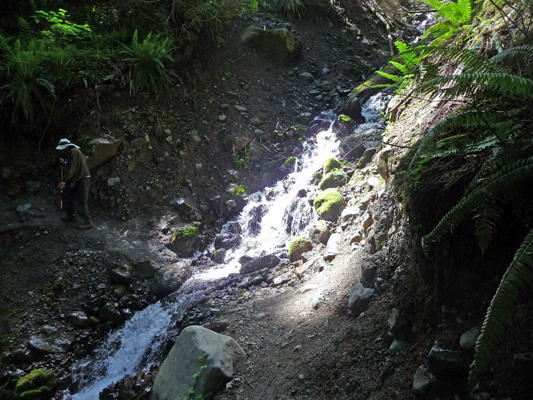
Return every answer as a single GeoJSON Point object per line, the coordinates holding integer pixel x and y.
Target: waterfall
{"type": "Point", "coordinates": [268, 222]}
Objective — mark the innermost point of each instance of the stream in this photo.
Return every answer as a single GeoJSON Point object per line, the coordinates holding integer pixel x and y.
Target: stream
{"type": "Point", "coordinates": [266, 225]}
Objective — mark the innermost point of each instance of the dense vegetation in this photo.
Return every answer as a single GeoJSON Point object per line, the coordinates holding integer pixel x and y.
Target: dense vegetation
{"type": "Point", "coordinates": [478, 57]}
{"type": "Point", "coordinates": [52, 48]}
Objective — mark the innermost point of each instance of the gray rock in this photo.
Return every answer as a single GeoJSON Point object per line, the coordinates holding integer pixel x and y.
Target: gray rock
{"type": "Point", "coordinates": [360, 299]}
{"type": "Point", "coordinates": [396, 322]}
{"type": "Point", "coordinates": [349, 213]}
{"type": "Point", "coordinates": [268, 261]}
{"type": "Point", "coordinates": [397, 347]}
{"type": "Point", "coordinates": [78, 319]}
{"type": "Point", "coordinates": [306, 76]}
{"type": "Point", "coordinates": [445, 362]}
{"type": "Point", "coordinates": [201, 360]}
{"type": "Point", "coordinates": [227, 241]}
{"type": "Point", "coordinates": [171, 277]}
{"type": "Point", "coordinates": [113, 181]}
{"type": "Point", "coordinates": [332, 248]}
{"type": "Point", "coordinates": [256, 153]}
{"type": "Point", "coordinates": [469, 338]}
{"type": "Point", "coordinates": [239, 143]}
{"type": "Point", "coordinates": [368, 273]}
{"type": "Point", "coordinates": [182, 206]}
{"type": "Point", "coordinates": [121, 275]}
{"type": "Point", "coordinates": [366, 158]}
{"type": "Point", "coordinates": [422, 381]}
{"type": "Point", "coordinates": [23, 208]}
{"type": "Point", "coordinates": [319, 232]}
{"type": "Point", "coordinates": [352, 108]}
{"type": "Point", "coordinates": [344, 125]}
{"type": "Point", "coordinates": [46, 344]}
{"type": "Point", "coordinates": [102, 150]}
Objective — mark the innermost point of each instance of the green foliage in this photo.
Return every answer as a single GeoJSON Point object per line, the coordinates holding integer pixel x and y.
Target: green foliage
{"type": "Point", "coordinates": [202, 362]}
{"type": "Point", "coordinates": [240, 190]}
{"type": "Point", "coordinates": [289, 161]}
{"type": "Point", "coordinates": [495, 128]}
{"type": "Point", "coordinates": [56, 25]}
{"type": "Point", "coordinates": [242, 158]}
{"type": "Point", "coordinates": [408, 70]}
{"type": "Point", "coordinates": [455, 14]}
{"type": "Point", "coordinates": [145, 61]}
{"type": "Point", "coordinates": [517, 280]}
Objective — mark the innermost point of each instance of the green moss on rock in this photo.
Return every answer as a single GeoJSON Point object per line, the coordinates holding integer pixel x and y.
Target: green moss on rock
{"type": "Point", "coordinates": [298, 246]}
{"type": "Point", "coordinates": [36, 384]}
{"type": "Point", "coordinates": [329, 204]}
{"type": "Point", "coordinates": [187, 233]}
{"type": "Point", "coordinates": [219, 256]}
{"type": "Point", "coordinates": [333, 179]}
{"type": "Point", "coordinates": [330, 165]}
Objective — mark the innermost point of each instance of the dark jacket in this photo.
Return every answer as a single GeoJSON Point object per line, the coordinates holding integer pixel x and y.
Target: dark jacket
{"type": "Point", "coordinates": [76, 167]}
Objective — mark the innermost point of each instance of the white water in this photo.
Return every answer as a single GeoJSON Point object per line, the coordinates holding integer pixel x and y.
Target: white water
{"type": "Point", "coordinates": [287, 212]}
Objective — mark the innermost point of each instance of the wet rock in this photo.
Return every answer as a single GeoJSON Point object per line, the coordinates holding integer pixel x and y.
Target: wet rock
{"type": "Point", "coordinates": [359, 299]}
{"type": "Point", "coordinates": [102, 150]}
{"type": "Point", "coordinates": [329, 204]}
{"type": "Point", "coordinates": [227, 241]}
{"type": "Point", "coordinates": [130, 387]}
{"type": "Point", "coordinates": [352, 108]}
{"type": "Point", "coordinates": [145, 269]}
{"type": "Point", "coordinates": [469, 338]}
{"type": "Point", "coordinates": [200, 359]}
{"type": "Point", "coordinates": [319, 232]}
{"type": "Point", "coordinates": [445, 362]}
{"type": "Point", "coordinates": [351, 148]}
{"type": "Point", "coordinates": [298, 246]}
{"type": "Point", "coordinates": [253, 265]}
{"type": "Point", "coordinates": [423, 381]}
{"type": "Point", "coordinates": [171, 277]}
{"type": "Point", "coordinates": [253, 279]}
{"type": "Point", "coordinates": [280, 45]}
{"type": "Point", "coordinates": [121, 275]}
{"type": "Point", "coordinates": [21, 356]}
{"type": "Point", "coordinates": [219, 256]}
{"type": "Point", "coordinates": [318, 125]}
{"type": "Point", "coordinates": [185, 241]}
{"type": "Point", "coordinates": [344, 125]}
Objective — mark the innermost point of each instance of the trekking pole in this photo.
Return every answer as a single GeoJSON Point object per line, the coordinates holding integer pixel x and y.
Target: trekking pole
{"type": "Point", "coordinates": [61, 190]}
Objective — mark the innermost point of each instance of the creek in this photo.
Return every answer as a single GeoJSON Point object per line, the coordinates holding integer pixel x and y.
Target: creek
{"type": "Point", "coordinates": [266, 225]}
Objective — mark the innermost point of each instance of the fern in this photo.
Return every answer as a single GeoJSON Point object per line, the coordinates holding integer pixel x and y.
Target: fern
{"type": "Point", "coordinates": [487, 217]}
{"type": "Point", "coordinates": [505, 179]}
{"type": "Point", "coordinates": [519, 55]}
{"type": "Point", "coordinates": [516, 280]}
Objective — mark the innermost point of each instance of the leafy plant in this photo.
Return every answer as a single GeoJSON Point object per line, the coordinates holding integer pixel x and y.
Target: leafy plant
{"type": "Point", "coordinates": [146, 62]}
{"type": "Point", "coordinates": [455, 14]}
{"type": "Point", "coordinates": [494, 125]}
{"type": "Point", "coordinates": [242, 158]}
{"type": "Point", "coordinates": [56, 25]}
{"type": "Point", "coordinates": [202, 362]}
{"type": "Point", "coordinates": [407, 70]}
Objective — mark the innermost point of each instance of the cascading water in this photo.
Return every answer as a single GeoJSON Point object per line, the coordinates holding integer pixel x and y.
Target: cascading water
{"type": "Point", "coordinates": [267, 223]}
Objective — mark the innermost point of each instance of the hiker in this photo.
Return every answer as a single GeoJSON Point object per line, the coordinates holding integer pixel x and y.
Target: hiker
{"type": "Point", "coordinates": [74, 185]}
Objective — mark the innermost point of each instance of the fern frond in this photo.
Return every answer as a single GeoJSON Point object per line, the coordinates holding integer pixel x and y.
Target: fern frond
{"type": "Point", "coordinates": [504, 84]}
{"type": "Point", "coordinates": [504, 179]}
{"type": "Point", "coordinates": [487, 217]}
{"type": "Point", "coordinates": [522, 55]}
{"type": "Point", "coordinates": [394, 78]}
{"type": "Point", "coordinates": [517, 278]}
{"type": "Point", "coordinates": [470, 59]}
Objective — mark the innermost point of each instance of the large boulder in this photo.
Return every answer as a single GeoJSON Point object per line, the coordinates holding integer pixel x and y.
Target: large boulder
{"type": "Point", "coordinates": [344, 125]}
{"type": "Point", "coordinates": [102, 150]}
{"type": "Point", "coordinates": [200, 363]}
{"type": "Point", "coordinates": [329, 204]}
{"type": "Point", "coordinates": [319, 232]}
{"type": "Point", "coordinates": [353, 109]}
{"type": "Point", "coordinates": [353, 147]}
{"type": "Point", "coordinates": [185, 241]}
{"type": "Point", "coordinates": [298, 246]}
{"type": "Point", "coordinates": [360, 299]}
{"type": "Point", "coordinates": [171, 277]}
{"type": "Point", "coordinates": [279, 44]}
{"type": "Point", "coordinates": [330, 165]}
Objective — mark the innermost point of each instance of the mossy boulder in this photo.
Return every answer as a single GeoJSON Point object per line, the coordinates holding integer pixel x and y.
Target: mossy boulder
{"type": "Point", "coordinates": [298, 246]}
{"type": "Point", "coordinates": [185, 241]}
{"type": "Point", "coordinates": [37, 385]}
{"type": "Point", "coordinates": [333, 179]}
{"type": "Point", "coordinates": [330, 165]}
{"type": "Point", "coordinates": [344, 125]}
{"type": "Point", "coordinates": [219, 256]}
{"type": "Point", "coordinates": [329, 204]}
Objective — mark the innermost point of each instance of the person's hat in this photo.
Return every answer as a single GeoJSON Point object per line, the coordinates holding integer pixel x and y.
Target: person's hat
{"type": "Point", "coordinates": [64, 143]}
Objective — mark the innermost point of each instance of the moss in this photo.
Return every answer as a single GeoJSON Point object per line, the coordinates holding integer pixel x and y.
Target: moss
{"type": "Point", "coordinates": [330, 165]}
{"type": "Point", "coordinates": [329, 204]}
{"type": "Point", "coordinates": [290, 160]}
{"type": "Point", "coordinates": [298, 246]}
{"type": "Point", "coordinates": [333, 179]}
{"type": "Point", "coordinates": [344, 118]}
{"type": "Point", "coordinates": [317, 177]}
{"type": "Point", "coordinates": [219, 256]}
{"type": "Point", "coordinates": [186, 234]}
{"type": "Point", "coordinates": [240, 190]}
{"type": "Point", "coordinates": [37, 380]}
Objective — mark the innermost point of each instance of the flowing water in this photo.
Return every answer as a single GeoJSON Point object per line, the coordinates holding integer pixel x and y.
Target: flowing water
{"type": "Point", "coordinates": [268, 222]}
